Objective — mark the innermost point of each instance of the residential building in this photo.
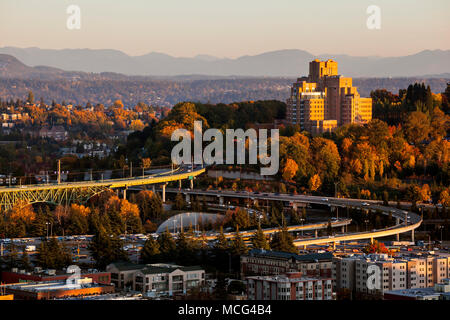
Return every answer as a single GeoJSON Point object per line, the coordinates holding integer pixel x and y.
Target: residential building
{"type": "Point", "coordinates": [267, 262]}
{"type": "Point", "coordinates": [156, 279]}
{"type": "Point", "coordinates": [440, 291]}
{"type": "Point", "coordinates": [405, 271]}
{"type": "Point", "coordinates": [57, 133]}
{"type": "Point", "coordinates": [290, 286]}
{"type": "Point", "coordinates": [122, 273]}
{"type": "Point", "coordinates": [325, 100]}
{"type": "Point", "coordinates": [170, 279]}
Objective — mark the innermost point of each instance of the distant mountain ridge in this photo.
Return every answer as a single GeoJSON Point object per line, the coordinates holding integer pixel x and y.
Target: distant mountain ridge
{"type": "Point", "coordinates": [282, 63]}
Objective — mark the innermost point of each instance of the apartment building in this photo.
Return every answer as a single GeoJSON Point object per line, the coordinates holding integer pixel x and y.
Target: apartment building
{"type": "Point", "coordinates": [405, 271]}
{"type": "Point", "coordinates": [267, 262]}
{"type": "Point", "coordinates": [325, 100]}
{"type": "Point", "coordinates": [290, 286]}
{"type": "Point", "coordinates": [440, 291]}
{"type": "Point", "coordinates": [170, 279]}
{"type": "Point", "coordinates": [156, 279]}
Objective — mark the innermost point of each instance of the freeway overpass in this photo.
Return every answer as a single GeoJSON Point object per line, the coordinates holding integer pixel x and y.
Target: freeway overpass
{"type": "Point", "coordinates": [406, 221]}
{"type": "Point", "coordinates": [79, 192]}
{"type": "Point", "coordinates": [269, 231]}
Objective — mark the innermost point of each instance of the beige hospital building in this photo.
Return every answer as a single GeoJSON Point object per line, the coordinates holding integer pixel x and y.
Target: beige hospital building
{"type": "Point", "coordinates": [325, 100]}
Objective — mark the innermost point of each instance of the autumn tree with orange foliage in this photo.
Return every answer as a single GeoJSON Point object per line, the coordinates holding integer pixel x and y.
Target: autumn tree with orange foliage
{"type": "Point", "coordinates": [376, 247]}
{"type": "Point", "coordinates": [290, 169]}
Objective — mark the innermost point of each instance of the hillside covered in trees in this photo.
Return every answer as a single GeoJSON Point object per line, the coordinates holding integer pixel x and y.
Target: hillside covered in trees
{"type": "Point", "coordinates": [106, 89]}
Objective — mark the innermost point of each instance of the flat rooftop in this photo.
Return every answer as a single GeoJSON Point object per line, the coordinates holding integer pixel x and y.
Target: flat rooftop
{"type": "Point", "coordinates": [53, 286]}
{"type": "Point", "coordinates": [415, 292]}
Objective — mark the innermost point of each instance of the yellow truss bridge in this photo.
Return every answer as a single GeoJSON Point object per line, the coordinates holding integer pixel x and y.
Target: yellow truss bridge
{"type": "Point", "coordinates": [80, 192]}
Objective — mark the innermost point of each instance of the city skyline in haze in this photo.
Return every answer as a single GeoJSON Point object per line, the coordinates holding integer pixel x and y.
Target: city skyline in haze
{"type": "Point", "coordinates": [228, 29]}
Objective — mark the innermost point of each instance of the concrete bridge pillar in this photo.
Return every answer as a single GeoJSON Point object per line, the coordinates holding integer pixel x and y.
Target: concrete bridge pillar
{"type": "Point", "coordinates": [343, 229]}
{"type": "Point", "coordinates": [315, 233]}
{"type": "Point", "coordinates": [412, 235]}
{"type": "Point", "coordinates": [221, 200]}
{"type": "Point", "coordinates": [153, 188]}
{"type": "Point", "coordinates": [125, 193]}
{"type": "Point", "coordinates": [397, 221]}
{"type": "Point", "coordinates": [164, 193]}
{"type": "Point", "coordinates": [179, 184]}
{"type": "Point", "coordinates": [188, 198]}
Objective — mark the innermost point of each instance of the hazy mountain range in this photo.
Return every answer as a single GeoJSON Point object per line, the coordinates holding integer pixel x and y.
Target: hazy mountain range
{"type": "Point", "coordinates": [283, 63]}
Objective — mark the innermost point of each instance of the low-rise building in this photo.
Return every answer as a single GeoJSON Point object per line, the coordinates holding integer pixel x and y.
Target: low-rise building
{"type": "Point", "coordinates": [56, 132]}
{"type": "Point", "coordinates": [57, 289]}
{"type": "Point", "coordinates": [38, 275]}
{"type": "Point", "coordinates": [122, 273]}
{"type": "Point", "coordinates": [290, 286]}
{"type": "Point", "coordinates": [156, 279]}
{"type": "Point", "coordinates": [170, 279]}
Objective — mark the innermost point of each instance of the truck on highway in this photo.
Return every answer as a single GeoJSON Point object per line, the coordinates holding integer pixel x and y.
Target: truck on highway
{"type": "Point", "coordinates": [30, 248]}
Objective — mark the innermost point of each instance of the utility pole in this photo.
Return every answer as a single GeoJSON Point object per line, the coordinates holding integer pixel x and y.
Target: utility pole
{"type": "Point", "coordinates": [59, 171]}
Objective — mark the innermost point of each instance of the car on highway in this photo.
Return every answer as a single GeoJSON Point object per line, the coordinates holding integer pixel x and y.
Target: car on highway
{"type": "Point", "coordinates": [324, 199]}
{"type": "Point", "coordinates": [365, 204]}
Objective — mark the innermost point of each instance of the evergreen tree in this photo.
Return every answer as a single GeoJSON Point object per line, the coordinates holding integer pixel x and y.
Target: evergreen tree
{"type": "Point", "coordinates": [185, 249]}
{"type": "Point", "coordinates": [283, 241]}
{"type": "Point", "coordinates": [179, 204]}
{"type": "Point", "coordinates": [167, 246]}
{"type": "Point", "coordinates": [238, 247]}
{"type": "Point", "coordinates": [106, 249]}
{"type": "Point", "coordinates": [221, 241]}
{"type": "Point", "coordinates": [25, 260]}
{"type": "Point", "coordinates": [156, 206]}
{"type": "Point", "coordinates": [30, 98]}
{"type": "Point", "coordinates": [150, 252]}
{"type": "Point", "coordinates": [39, 227]}
{"type": "Point", "coordinates": [12, 256]}
{"type": "Point", "coordinates": [273, 217]}
{"type": "Point", "coordinates": [52, 254]}
{"type": "Point", "coordinates": [259, 240]}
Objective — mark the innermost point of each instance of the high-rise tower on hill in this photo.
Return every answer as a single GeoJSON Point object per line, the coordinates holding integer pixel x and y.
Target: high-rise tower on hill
{"type": "Point", "coordinates": [325, 100]}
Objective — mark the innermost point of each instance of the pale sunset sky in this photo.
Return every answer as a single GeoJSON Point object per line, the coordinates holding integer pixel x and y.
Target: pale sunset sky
{"type": "Point", "coordinates": [231, 28]}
